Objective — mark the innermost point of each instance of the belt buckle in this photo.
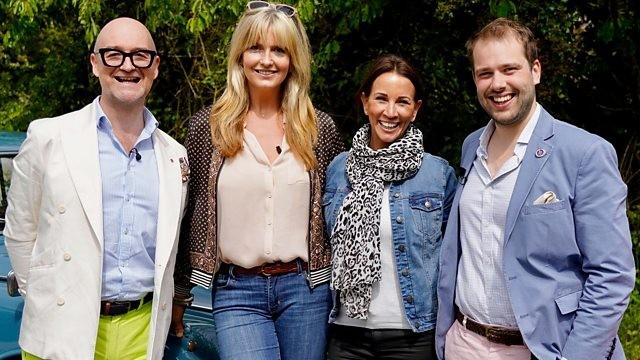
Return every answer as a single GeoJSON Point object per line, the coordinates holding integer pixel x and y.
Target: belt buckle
{"type": "Point", "coordinates": [262, 271]}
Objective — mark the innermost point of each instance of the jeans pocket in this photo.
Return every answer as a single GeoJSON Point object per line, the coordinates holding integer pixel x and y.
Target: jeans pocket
{"type": "Point", "coordinates": [223, 281]}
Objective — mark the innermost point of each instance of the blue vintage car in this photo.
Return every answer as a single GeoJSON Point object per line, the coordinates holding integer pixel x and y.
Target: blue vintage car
{"type": "Point", "coordinates": [198, 342]}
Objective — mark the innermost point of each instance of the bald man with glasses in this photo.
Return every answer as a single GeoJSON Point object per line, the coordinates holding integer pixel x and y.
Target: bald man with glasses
{"type": "Point", "coordinates": [94, 210]}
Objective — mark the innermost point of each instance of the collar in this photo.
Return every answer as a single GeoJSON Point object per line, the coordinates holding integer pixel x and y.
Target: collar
{"type": "Point", "coordinates": [523, 139]}
{"type": "Point", "coordinates": [103, 122]}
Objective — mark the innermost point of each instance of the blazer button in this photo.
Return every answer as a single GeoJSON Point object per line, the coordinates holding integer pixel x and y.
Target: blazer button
{"type": "Point", "coordinates": [60, 301]}
{"type": "Point", "coordinates": [409, 299]}
{"type": "Point", "coordinates": [399, 219]}
{"type": "Point", "coordinates": [66, 256]}
{"type": "Point", "coordinates": [61, 209]}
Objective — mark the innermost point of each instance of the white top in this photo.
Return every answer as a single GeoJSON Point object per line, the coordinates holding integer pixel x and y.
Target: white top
{"type": "Point", "coordinates": [263, 208]}
{"type": "Point", "coordinates": [386, 310]}
{"type": "Point", "coordinates": [481, 290]}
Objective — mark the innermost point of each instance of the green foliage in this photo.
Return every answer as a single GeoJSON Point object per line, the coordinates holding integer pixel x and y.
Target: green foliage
{"type": "Point", "coordinates": [502, 8]}
{"type": "Point", "coordinates": [578, 40]}
{"type": "Point", "coordinates": [630, 327]}
{"type": "Point", "coordinates": [41, 72]}
{"type": "Point", "coordinates": [589, 55]}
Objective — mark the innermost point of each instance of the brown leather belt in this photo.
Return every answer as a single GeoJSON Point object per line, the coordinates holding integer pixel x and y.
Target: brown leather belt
{"type": "Point", "coordinates": [494, 334]}
{"type": "Point", "coordinates": [114, 308]}
{"type": "Point", "coordinates": [266, 269]}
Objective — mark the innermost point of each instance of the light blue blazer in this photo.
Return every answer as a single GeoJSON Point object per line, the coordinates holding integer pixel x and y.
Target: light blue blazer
{"type": "Point", "coordinates": [568, 265]}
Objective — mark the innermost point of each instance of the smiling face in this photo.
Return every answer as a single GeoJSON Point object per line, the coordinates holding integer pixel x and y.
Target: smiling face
{"type": "Point", "coordinates": [505, 81]}
{"type": "Point", "coordinates": [265, 64]}
{"type": "Point", "coordinates": [126, 85]}
{"type": "Point", "coordinates": [391, 107]}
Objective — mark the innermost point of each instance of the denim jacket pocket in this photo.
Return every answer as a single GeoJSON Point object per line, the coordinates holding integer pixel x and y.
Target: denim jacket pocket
{"type": "Point", "coordinates": [426, 210]}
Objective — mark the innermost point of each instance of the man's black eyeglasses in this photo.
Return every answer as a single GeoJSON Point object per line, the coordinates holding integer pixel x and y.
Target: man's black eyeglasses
{"type": "Point", "coordinates": [141, 59]}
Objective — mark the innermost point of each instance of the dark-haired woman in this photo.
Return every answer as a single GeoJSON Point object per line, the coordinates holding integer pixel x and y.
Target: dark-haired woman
{"type": "Point", "coordinates": [386, 205]}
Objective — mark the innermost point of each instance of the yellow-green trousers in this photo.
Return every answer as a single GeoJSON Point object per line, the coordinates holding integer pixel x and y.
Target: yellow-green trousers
{"type": "Point", "coordinates": [120, 337]}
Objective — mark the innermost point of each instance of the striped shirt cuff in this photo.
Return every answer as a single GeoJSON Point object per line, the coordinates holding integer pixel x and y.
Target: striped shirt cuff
{"type": "Point", "coordinates": [201, 279]}
{"type": "Point", "coordinates": [182, 292]}
{"type": "Point", "coordinates": [320, 276]}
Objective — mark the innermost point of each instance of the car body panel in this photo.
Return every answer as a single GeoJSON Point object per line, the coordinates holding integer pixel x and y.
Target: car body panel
{"type": "Point", "coordinates": [10, 142]}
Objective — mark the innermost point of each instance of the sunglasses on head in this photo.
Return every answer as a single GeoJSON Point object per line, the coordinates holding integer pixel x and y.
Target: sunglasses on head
{"type": "Point", "coordinates": [288, 10]}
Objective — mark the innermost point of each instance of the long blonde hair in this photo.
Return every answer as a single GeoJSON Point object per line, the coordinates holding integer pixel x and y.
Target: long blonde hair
{"type": "Point", "coordinates": [229, 111]}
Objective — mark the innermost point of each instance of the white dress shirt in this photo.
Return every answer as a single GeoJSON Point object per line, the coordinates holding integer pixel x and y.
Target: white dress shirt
{"type": "Point", "coordinates": [481, 290]}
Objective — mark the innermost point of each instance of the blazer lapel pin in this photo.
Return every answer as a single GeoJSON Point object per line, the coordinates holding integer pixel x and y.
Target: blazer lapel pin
{"type": "Point", "coordinates": [540, 152]}
{"type": "Point", "coordinates": [184, 169]}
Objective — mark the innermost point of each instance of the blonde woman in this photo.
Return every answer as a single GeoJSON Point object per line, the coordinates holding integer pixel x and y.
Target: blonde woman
{"type": "Point", "coordinates": [253, 228]}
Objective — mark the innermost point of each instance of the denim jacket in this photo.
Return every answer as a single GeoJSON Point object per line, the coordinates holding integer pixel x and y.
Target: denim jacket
{"type": "Point", "coordinates": [419, 209]}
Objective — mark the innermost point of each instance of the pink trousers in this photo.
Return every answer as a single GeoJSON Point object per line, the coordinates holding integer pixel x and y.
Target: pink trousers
{"type": "Point", "coordinates": [462, 344]}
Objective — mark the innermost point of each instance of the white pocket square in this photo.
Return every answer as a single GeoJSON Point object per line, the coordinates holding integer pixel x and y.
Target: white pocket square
{"type": "Point", "coordinates": [548, 197]}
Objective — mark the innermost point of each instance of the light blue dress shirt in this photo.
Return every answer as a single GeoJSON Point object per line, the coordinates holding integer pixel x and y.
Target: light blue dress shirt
{"type": "Point", "coordinates": [481, 288]}
{"type": "Point", "coordinates": [129, 210]}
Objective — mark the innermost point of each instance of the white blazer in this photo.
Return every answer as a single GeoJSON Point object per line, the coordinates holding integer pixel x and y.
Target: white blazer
{"type": "Point", "coordinates": [54, 235]}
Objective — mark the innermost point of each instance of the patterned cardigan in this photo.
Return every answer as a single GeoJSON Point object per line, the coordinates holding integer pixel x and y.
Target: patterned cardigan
{"type": "Point", "coordinates": [197, 258]}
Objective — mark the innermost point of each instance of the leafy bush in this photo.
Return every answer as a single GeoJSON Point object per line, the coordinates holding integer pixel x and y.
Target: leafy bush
{"type": "Point", "coordinates": [630, 327]}
{"type": "Point", "coordinates": [589, 54]}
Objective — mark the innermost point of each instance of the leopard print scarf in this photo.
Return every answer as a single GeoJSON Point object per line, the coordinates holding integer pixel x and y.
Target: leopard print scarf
{"type": "Point", "coordinates": [355, 239]}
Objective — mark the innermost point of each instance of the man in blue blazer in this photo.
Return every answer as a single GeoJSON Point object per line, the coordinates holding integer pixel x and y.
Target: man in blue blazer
{"type": "Point", "coordinates": [536, 261]}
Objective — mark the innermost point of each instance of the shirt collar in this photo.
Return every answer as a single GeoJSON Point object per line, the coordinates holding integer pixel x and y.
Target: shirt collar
{"type": "Point", "coordinates": [102, 121]}
{"type": "Point", "coordinates": [526, 133]}
{"type": "Point", "coordinates": [523, 139]}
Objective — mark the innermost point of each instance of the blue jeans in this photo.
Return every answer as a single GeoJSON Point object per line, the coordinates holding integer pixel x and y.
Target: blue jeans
{"type": "Point", "coordinates": [277, 317]}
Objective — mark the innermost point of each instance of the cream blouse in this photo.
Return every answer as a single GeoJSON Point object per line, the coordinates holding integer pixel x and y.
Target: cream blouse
{"type": "Point", "coordinates": [263, 208]}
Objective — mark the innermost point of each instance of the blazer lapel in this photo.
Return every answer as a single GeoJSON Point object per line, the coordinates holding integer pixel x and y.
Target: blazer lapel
{"type": "Point", "coordinates": [538, 152]}
{"type": "Point", "coordinates": [80, 146]}
{"type": "Point", "coordinates": [170, 195]}
{"type": "Point", "coordinates": [469, 156]}
{"type": "Point", "coordinates": [466, 162]}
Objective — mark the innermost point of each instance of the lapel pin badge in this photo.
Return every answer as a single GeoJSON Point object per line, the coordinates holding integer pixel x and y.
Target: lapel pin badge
{"type": "Point", "coordinates": [540, 152]}
{"type": "Point", "coordinates": [184, 169]}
